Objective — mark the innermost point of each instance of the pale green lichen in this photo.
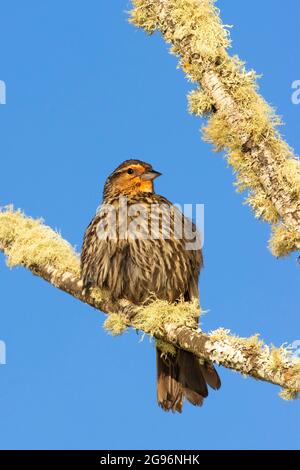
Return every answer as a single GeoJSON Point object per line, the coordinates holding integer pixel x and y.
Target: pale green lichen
{"type": "Point", "coordinates": [238, 351]}
{"type": "Point", "coordinates": [284, 240]}
{"type": "Point", "coordinates": [144, 15]}
{"type": "Point", "coordinates": [153, 317]}
{"type": "Point", "coordinates": [115, 324]}
{"type": "Point", "coordinates": [28, 242]}
{"type": "Point", "coordinates": [200, 103]}
{"type": "Point", "coordinates": [252, 356]}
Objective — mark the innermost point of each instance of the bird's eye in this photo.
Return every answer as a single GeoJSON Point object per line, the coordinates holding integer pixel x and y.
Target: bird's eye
{"type": "Point", "coordinates": [130, 171]}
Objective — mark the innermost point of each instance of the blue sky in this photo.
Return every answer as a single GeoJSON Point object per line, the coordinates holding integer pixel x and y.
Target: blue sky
{"type": "Point", "coordinates": [85, 91]}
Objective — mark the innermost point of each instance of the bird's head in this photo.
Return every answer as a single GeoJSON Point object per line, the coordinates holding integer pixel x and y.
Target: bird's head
{"type": "Point", "coordinates": [130, 178]}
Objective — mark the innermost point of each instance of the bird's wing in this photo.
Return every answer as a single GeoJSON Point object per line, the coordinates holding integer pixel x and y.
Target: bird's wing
{"type": "Point", "coordinates": [168, 262]}
{"type": "Point", "coordinates": [103, 257]}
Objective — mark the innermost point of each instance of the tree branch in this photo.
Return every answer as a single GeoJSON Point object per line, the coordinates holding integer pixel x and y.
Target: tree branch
{"type": "Point", "coordinates": [31, 244]}
{"type": "Point", "coordinates": [240, 121]}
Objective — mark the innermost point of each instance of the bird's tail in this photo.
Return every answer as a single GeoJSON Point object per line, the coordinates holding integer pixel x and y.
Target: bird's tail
{"type": "Point", "coordinates": [183, 376]}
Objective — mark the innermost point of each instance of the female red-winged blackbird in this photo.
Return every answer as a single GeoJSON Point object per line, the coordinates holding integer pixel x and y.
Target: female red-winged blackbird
{"type": "Point", "coordinates": [137, 246]}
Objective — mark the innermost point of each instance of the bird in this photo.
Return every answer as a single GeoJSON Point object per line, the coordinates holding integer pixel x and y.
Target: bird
{"type": "Point", "coordinates": [128, 251]}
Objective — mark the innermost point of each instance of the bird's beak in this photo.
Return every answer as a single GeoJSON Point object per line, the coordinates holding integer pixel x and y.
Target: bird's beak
{"type": "Point", "coordinates": [150, 175]}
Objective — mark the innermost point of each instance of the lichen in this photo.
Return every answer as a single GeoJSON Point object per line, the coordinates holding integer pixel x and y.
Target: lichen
{"type": "Point", "coordinates": [30, 243]}
{"type": "Point", "coordinates": [252, 356]}
{"type": "Point", "coordinates": [200, 103]}
{"type": "Point", "coordinates": [284, 240]}
{"type": "Point", "coordinates": [236, 350]}
{"type": "Point", "coordinates": [115, 324]}
{"type": "Point", "coordinates": [153, 317]}
{"type": "Point", "coordinates": [288, 395]}
{"type": "Point", "coordinates": [144, 15]}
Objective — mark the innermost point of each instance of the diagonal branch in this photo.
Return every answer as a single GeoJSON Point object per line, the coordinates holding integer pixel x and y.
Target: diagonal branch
{"type": "Point", "coordinates": [31, 244]}
{"type": "Point", "coordinates": [240, 121]}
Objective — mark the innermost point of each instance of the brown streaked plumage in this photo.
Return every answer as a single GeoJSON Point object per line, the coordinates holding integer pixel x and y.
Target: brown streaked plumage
{"type": "Point", "coordinates": [118, 257]}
